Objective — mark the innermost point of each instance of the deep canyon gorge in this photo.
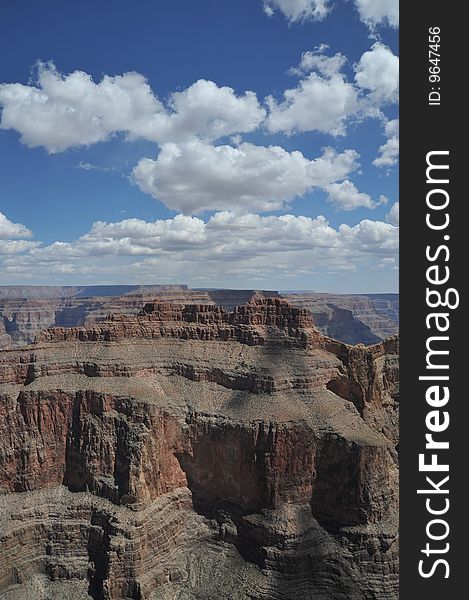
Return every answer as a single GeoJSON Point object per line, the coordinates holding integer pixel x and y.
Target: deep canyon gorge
{"type": "Point", "coordinates": [192, 448]}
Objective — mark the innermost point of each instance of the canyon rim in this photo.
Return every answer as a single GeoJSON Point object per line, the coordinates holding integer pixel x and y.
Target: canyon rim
{"type": "Point", "coordinates": [199, 307]}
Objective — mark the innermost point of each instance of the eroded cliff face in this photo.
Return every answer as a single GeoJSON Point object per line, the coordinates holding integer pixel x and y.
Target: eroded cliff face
{"type": "Point", "coordinates": [190, 452]}
{"type": "Point", "coordinates": [25, 311]}
{"type": "Point", "coordinates": [352, 318]}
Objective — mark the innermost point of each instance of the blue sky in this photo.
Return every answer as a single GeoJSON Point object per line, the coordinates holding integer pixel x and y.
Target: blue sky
{"type": "Point", "coordinates": [215, 143]}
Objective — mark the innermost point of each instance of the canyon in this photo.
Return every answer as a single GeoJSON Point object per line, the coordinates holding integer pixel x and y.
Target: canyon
{"type": "Point", "coordinates": [195, 449]}
{"type": "Point", "coordinates": [26, 310]}
{"type": "Point", "coordinates": [351, 318]}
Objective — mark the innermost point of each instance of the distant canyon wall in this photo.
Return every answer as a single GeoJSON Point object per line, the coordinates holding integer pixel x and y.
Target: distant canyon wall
{"type": "Point", "coordinates": [351, 318]}
{"type": "Point", "coordinates": [25, 311]}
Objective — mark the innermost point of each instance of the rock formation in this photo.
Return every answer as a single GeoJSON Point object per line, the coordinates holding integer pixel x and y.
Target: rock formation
{"type": "Point", "coordinates": [26, 310]}
{"type": "Point", "coordinates": [351, 318]}
{"type": "Point", "coordinates": [191, 452]}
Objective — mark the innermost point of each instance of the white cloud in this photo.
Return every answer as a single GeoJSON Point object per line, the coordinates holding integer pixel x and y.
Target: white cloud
{"type": "Point", "coordinates": [375, 12]}
{"type": "Point", "coordinates": [225, 236]}
{"type": "Point", "coordinates": [9, 230]}
{"type": "Point", "coordinates": [324, 100]}
{"type": "Point", "coordinates": [332, 166]}
{"type": "Point", "coordinates": [371, 12]}
{"type": "Point", "coordinates": [298, 10]}
{"type": "Point", "coordinates": [344, 195]}
{"type": "Point", "coordinates": [389, 151]}
{"type": "Point", "coordinates": [228, 245]}
{"type": "Point", "coordinates": [188, 246]}
{"type": "Point", "coordinates": [371, 236]}
{"type": "Point", "coordinates": [393, 215]}
{"type": "Point", "coordinates": [135, 236]}
{"type": "Point", "coordinates": [318, 103]}
{"type": "Point", "coordinates": [197, 176]}
{"type": "Point", "coordinates": [85, 166]}
{"type": "Point", "coordinates": [377, 72]}
{"type": "Point", "coordinates": [316, 60]}
{"type": "Point", "coordinates": [15, 246]}
{"type": "Point", "coordinates": [251, 233]}
{"type": "Point", "coordinates": [209, 111]}
{"type": "Point", "coordinates": [64, 111]}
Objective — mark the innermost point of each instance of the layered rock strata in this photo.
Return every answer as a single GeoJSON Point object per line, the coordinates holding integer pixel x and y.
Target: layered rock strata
{"type": "Point", "coordinates": [352, 318]}
{"type": "Point", "coordinates": [25, 311]}
{"type": "Point", "coordinates": [190, 452]}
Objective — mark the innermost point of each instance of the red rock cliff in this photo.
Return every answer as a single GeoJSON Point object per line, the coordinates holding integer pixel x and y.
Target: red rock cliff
{"type": "Point", "coordinates": [190, 450]}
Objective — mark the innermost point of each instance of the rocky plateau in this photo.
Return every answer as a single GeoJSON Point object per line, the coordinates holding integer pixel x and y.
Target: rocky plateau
{"type": "Point", "coordinates": [26, 310]}
{"type": "Point", "coordinates": [195, 451]}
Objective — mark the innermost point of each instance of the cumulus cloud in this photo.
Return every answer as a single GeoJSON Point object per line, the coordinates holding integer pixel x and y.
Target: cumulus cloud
{"type": "Point", "coordinates": [197, 176]}
{"type": "Point", "coordinates": [393, 215]}
{"type": "Point", "coordinates": [226, 236]}
{"type": "Point", "coordinates": [389, 151]}
{"type": "Point", "coordinates": [324, 100]}
{"type": "Point", "coordinates": [376, 12]}
{"type": "Point", "coordinates": [135, 236]}
{"type": "Point", "coordinates": [371, 236]}
{"type": "Point", "coordinates": [209, 111]}
{"type": "Point", "coordinates": [227, 244]}
{"type": "Point", "coordinates": [63, 111]}
{"type": "Point", "coordinates": [316, 60]}
{"type": "Point", "coordinates": [371, 12]}
{"type": "Point", "coordinates": [10, 237]}
{"type": "Point", "coordinates": [345, 196]}
{"type": "Point", "coordinates": [72, 110]}
{"type": "Point", "coordinates": [318, 103]}
{"type": "Point", "coordinates": [8, 247]}
{"type": "Point", "coordinates": [377, 72]}
{"type": "Point", "coordinates": [9, 230]}
{"type": "Point", "coordinates": [298, 10]}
